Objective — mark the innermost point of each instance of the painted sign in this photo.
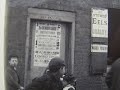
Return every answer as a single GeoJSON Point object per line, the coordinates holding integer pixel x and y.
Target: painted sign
{"type": "Point", "coordinates": [99, 48]}
{"type": "Point", "coordinates": [99, 26]}
{"type": "Point", "coordinates": [46, 43]}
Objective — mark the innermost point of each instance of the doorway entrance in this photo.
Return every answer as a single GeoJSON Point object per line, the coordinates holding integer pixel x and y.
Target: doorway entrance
{"type": "Point", "coordinates": [113, 35]}
{"type": "Point", "coordinates": [50, 33]}
{"type": "Point", "coordinates": [48, 41]}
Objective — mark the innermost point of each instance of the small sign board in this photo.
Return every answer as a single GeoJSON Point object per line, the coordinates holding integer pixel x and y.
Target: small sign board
{"type": "Point", "coordinates": [99, 48]}
{"type": "Point", "coordinates": [99, 25]}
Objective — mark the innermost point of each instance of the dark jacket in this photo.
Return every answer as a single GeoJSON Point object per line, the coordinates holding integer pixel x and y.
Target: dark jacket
{"type": "Point", "coordinates": [12, 79]}
{"type": "Point", "coordinates": [113, 76]}
{"type": "Point", "coordinates": [46, 82]}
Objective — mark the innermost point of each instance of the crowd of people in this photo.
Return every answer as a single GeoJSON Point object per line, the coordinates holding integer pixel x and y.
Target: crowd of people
{"type": "Point", "coordinates": [55, 77]}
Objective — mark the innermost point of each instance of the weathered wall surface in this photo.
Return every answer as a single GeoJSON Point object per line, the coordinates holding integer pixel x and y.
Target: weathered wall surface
{"type": "Point", "coordinates": [16, 31]}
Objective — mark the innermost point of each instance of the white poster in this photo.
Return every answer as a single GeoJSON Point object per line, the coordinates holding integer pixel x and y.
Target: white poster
{"type": "Point", "coordinates": [99, 26]}
{"type": "Point", "coordinates": [99, 48]}
{"type": "Point", "coordinates": [47, 43]}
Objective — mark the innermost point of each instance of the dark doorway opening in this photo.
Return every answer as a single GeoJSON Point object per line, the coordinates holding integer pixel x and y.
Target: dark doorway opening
{"type": "Point", "coordinates": [113, 35]}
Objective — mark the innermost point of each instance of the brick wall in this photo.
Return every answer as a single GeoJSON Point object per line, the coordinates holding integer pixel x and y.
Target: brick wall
{"type": "Point", "coordinates": [16, 31]}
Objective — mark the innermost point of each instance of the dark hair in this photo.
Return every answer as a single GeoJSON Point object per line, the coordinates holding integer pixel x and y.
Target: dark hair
{"type": "Point", "coordinates": [9, 58]}
{"type": "Point", "coordinates": [54, 68]}
{"type": "Point", "coordinates": [55, 64]}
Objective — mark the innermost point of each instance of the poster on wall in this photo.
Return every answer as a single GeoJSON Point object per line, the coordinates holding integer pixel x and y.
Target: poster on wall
{"type": "Point", "coordinates": [99, 48]}
{"type": "Point", "coordinates": [46, 43]}
{"type": "Point", "coordinates": [99, 25]}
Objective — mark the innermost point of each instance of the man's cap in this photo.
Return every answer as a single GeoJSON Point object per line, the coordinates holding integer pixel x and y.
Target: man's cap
{"type": "Point", "coordinates": [56, 63]}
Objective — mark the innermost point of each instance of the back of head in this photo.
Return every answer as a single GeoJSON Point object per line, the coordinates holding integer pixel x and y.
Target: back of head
{"type": "Point", "coordinates": [117, 62]}
{"type": "Point", "coordinates": [116, 67]}
{"type": "Point", "coordinates": [55, 64]}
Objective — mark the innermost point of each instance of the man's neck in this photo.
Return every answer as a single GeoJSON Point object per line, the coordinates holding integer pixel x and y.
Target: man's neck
{"type": "Point", "coordinates": [13, 67]}
{"type": "Point", "coordinates": [56, 75]}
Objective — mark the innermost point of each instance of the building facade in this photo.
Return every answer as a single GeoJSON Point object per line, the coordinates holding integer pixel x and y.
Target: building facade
{"type": "Point", "coordinates": [70, 23]}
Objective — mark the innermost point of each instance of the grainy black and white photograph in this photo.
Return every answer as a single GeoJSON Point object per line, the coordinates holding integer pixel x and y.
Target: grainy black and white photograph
{"type": "Point", "coordinates": [62, 45]}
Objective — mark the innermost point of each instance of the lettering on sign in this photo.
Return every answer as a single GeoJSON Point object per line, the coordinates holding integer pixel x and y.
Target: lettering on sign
{"type": "Point", "coordinates": [99, 48]}
{"type": "Point", "coordinates": [99, 26]}
{"type": "Point", "coordinates": [46, 43]}
{"type": "Point", "coordinates": [47, 17]}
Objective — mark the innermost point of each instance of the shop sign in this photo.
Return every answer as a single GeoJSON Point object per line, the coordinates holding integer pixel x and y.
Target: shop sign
{"type": "Point", "coordinates": [99, 25]}
{"type": "Point", "coordinates": [99, 48]}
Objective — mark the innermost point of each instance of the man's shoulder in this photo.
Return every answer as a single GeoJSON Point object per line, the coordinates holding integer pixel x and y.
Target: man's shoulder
{"type": "Point", "coordinates": [10, 70]}
{"type": "Point", "coordinates": [37, 83]}
{"type": "Point", "coordinates": [40, 79]}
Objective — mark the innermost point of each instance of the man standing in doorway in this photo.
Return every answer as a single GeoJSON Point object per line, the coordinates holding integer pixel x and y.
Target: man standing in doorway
{"type": "Point", "coordinates": [113, 76]}
{"type": "Point", "coordinates": [12, 78]}
{"type": "Point", "coordinates": [50, 80]}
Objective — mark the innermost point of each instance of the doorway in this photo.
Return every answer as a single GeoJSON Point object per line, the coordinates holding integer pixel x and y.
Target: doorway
{"type": "Point", "coordinates": [48, 39]}
{"type": "Point", "coordinates": [113, 35]}
{"type": "Point", "coordinates": [50, 33]}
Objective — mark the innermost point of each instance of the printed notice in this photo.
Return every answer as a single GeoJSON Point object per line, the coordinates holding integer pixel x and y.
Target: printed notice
{"type": "Point", "coordinates": [99, 26]}
{"type": "Point", "coordinates": [46, 43]}
{"type": "Point", "coordinates": [99, 48]}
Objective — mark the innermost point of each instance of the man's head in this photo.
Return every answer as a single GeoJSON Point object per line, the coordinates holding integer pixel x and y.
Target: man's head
{"type": "Point", "coordinates": [13, 61]}
{"type": "Point", "coordinates": [57, 65]}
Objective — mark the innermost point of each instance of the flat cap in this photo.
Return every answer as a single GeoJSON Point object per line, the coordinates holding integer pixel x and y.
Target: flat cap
{"type": "Point", "coordinates": [57, 61]}
{"type": "Point", "coordinates": [55, 64]}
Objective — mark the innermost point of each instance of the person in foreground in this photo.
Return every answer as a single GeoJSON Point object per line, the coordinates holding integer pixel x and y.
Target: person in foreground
{"type": "Point", "coordinates": [50, 80]}
{"type": "Point", "coordinates": [113, 76]}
